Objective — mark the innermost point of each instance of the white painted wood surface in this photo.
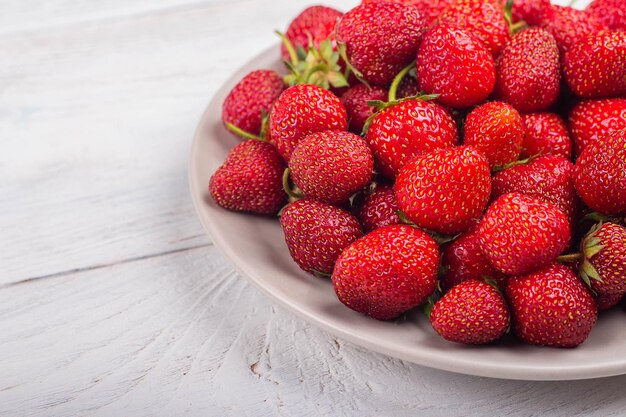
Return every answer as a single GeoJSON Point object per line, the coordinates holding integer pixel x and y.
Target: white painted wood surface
{"type": "Point", "coordinates": [113, 302]}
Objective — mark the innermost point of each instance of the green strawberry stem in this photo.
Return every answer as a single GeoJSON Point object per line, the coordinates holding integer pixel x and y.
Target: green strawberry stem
{"type": "Point", "coordinates": [242, 133]}
{"type": "Point", "coordinates": [393, 90]}
{"type": "Point", "coordinates": [508, 16]}
{"type": "Point", "coordinates": [341, 48]}
{"type": "Point", "coordinates": [570, 258]}
{"type": "Point", "coordinates": [293, 193]}
{"type": "Point", "coordinates": [499, 168]}
{"type": "Point", "coordinates": [289, 46]}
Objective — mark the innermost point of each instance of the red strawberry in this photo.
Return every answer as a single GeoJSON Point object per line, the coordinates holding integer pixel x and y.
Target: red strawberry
{"type": "Point", "coordinates": [593, 119]}
{"type": "Point", "coordinates": [482, 18]}
{"type": "Point", "coordinates": [378, 208]}
{"type": "Point", "coordinates": [610, 12]}
{"type": "Point", "coordinates": [400, 132]}
{"type": "Point", "coordinates": [595, 66]}
{"type": "Point", "coordinates": [315, 23]}
{"type": "Point", "coordinates": [520, 233]}
{"type": "Point", "coordinates": [330, 166]}
{"type": "Point", "coordinates": [530, 11]}
{"type": "Point", "coordinates": [255, 94]}
{"type": "Point", "coordinates": [528, 71]}
{"type": "Point", "coordinates": [355, 100]}
{"type": "Point", "coordinates": [409, 87]}
{"type": "Point", "coordinates": [548, 178]}
{"type": "Point", "coordinates": [463, 260]}
{"type": "Point", "coordinates": [495, 129]}
{"type": "Point", "coordinates": [551, 307]}
{"type": "Point", "coordinates": [430, 9]}
{"type": "Point", "coordinates": [608, 301]}
{"type": "Point", "coordinates": [381, 39]}
{"type": "Point", "coordinates": [545, 133]}
{"type": "Point", "coordinates": [250, 179]}
{"type": "Point", "coordinates": [600, 174]}
{"type": "Point", "coordinates": [444, 190]}
{"type": "Point", "coordinates": [304, 109]}
{"type": "Point", "coordinates": [604, 265]}
{"type": "Point", "coordinates": [473, 312]}
{"type": "Point", "coordinates": [387, 272]}
{"type": "Point", "coordinates": [569, 25]}
{"type": "Point", "coordinates": [316, 233]}
{"type": "Point", "coordinates": [453, 63]}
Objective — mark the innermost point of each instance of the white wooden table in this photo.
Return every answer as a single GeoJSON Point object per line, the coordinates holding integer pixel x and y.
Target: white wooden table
{"type": "Point", "coordinates": [113, 302]}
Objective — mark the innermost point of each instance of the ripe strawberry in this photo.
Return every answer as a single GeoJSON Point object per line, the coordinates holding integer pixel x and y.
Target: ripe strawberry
{"type": "Point", "coordinates": [604, 264]}
{"type": "Point", "coordinates": [315, 24]}
{"type": "Point", "coordinates": [595, 66]}
{"type": "Point", "coordinates": [569, 25]}
{"type": "Point", "coordinates": [355, 100]}
{"type": "Point", "coordinates": [528, 71]}
{"type": "Point", "coordinates": [551, 307]}
{"type": "Point", "coordinates": [316, 233]}
{"type": "Point", "coordinates": [482, 18]}
{"type": "Point", "coordinates": [430, 9]}
{"type": "Point", "coordinates": [548, 178]}
{"type": "Point", "coordinates": [400, 132]}
{"type": "Point", "coordinates": [453, 63]}
{"type": "Point", "coordinates": [250, 179]}
{"type": "Point", "coordinates": [380, 39]}
{"type": "Point", "coordinates": [608, 301]}
{"type": "Point", "coordinates": [473, 312]}
{"type": "Point", "coordinates": [445, 190]}
{"type": "Point", "coordinates": [378, 208]}
{"type": "Point", "coordinates": [253, 95]}
{"type": "Point", "coordinates": [495, 129]}
{"type": "Point", "coordinates": [593, 119]}
{"type": "Point", "coordinates": [331, 166]}
{"type": "Point", "coordinates": [520, 233]}
{"type": "Point", "coordinates": [610, 12]}
{"type": "Point", "coordinates": [304, 109]}
{"type": "Point", "coordinates": [599, 174]}
{"type": "Point", "coordinates": [409, 87]}
{"type": "Point", "coordinates": [463, 260]}
{"type": "Point", "coordinates": [545, 133]}
{"type": "Point", "coordinates": [530, 11]}
{"type": "Point", "coordinates": [387, 272]}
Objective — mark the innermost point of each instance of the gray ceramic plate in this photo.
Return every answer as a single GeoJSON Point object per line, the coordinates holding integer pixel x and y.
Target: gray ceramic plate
{"type": "Point", "coordinates": [256, 248]}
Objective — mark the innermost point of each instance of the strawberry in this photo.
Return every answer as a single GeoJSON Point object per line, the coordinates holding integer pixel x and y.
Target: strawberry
{"type": "Point", "coordinates": [529, 11]}
{"type": "Point", "coordinates": [548, 178]}
{"type": "Point", "coordinates": [569, 25]}
{"type": "Point", "coordinates": [399, 132]}
{"type": "Point", "coordinates": [592, 119]}
{"type": "Point", "coordinates": [380, 39]}
{"type": "Point", "coordinates": [545, 133]}
{"type": "Point", "coordinates": [444, 190]}
{"type": "Point", "coordinates": [387, 272]}
{"type": "Point", "coordinates": [463, 260]}
{"type": "Point", "coordinates": [608, 301]}
{"type": "Point", "coordinates": [304, 109]}
{"type": "Point", "coordinates": [314, 24]}
{"type": "Point", "coordinates": [551, 307]}
{"type": "Point", "coordinates": [520, 233]}
{"type": "Point", "coordinates": [355, 100]}
{"type": "Point", "coordinates": [595, 66]}
{"type": "Point", "coordinates": [599, 174]}
{"type": "Point", "coordinates": [245, 104]}
{"type": "Point", "coordinates": [454, 64]}
{"type": "Point", "coordinates": [610, 12]}
{"type": "Point", "coordinates": [378, 208]}
{"type": "Point", "coordinates": [250, 179]}
{"type": "Point", "coordinates": [472, 312]}
{"type": "Point", "coordinates": [528, 71]}
{"type": "Point", "coordinates": [317, 233]}
{"type": "Point", "coordinates": [495, 129]}
{"type": "Point", "coordinates": [409, 87]}
{"type": "Point", "coordinates": [330, 166]}
{"type": "Point", "coordinates": [482, 18]}
{"type": "Point", "coordinates": [604, 259]}
{"type": "Point", "coordinates": [430, 9]}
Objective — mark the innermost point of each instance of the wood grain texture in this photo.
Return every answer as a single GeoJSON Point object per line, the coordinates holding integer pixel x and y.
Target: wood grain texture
{"type": "Point", "coordinates": [113, 302]}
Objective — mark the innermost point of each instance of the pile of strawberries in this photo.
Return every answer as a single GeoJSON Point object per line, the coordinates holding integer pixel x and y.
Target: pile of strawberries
{"type": "Point", "coordinates": [467, 156]}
